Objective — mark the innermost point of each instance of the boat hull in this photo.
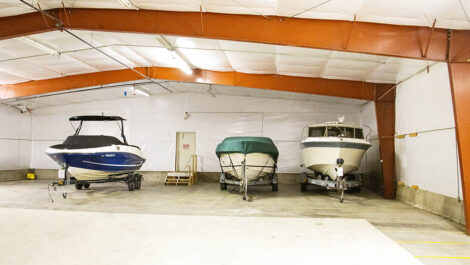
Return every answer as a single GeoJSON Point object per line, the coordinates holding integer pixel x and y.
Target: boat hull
{"type": "Point", "coordinates": [98, 163]}
{"type": "Point", "coordinates": [258, 165]}
{"type": "Point", "coordinates": [320, 155]}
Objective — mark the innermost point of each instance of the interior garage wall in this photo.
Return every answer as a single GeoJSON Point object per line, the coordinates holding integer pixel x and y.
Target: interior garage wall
{"type": "Point", "coordinates": [370, 164]}
{"type": "Point", "coordinates": [427, 164]}
{"type": "Point", "coordinates": [15, 143]}
{"type": "Point", "coordinates": [154, 121]}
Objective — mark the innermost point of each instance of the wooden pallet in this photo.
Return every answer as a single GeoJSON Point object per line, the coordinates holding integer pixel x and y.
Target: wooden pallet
{"type": "Point", "coordinates": [179, 178]}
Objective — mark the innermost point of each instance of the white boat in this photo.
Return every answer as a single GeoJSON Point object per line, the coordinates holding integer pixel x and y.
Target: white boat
{"type": "Point", "coordinates": [323, 144]}
{"type": "Point", "coordinates": [258, 165]}
{"type": "Point", "coordinates": [95, 157]}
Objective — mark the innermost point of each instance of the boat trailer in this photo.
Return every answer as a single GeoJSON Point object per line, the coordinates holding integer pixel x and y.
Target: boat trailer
{"type": "Point", "coordinates": [271, 180]}
{"type": "Point", "coordinates": [348, 182]}
{"type": "Point", "coordinates": [133, 180]}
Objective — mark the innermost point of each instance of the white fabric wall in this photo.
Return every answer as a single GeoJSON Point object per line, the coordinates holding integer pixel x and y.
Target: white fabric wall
{"type": "Point", "coordinates": [370, 164]}
{"type": "Point", "coordinates": [424, 105]}
{"type": "Point", "coordinates": [154, 121]}
{"type": "Point", "coordinates": [15, 138]}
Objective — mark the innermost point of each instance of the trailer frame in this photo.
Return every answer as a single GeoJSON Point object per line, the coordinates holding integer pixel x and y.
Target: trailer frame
{"type": "Point", "coordinates": [271, 180]}
{"type": "Point", "coordinates": [341, 184]}
{"type": "Point", "coordinates": [132, 179]}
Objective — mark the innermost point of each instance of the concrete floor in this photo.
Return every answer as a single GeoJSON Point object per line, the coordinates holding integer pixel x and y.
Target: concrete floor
{"type": "Point", "coordinates": [432, 239]}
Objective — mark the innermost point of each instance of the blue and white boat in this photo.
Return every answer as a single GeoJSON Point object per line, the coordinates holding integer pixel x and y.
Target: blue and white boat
{"type": "Point", "coordinates": [93, 157]}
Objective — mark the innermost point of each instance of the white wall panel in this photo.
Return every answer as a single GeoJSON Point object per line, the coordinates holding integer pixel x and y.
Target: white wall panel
{"type": "Point", "coordinates": [424, 105]}
{"type": "Point", "coordinates": [153, 122]}
{"type": "Point", "coordinates": [370, 164]}
{"type": "Point", "coordinates": [424, 102]}
{"type": "Point", "coordinates": [432, 162]}
{"type": "Point", "coordinates": [15, 138]}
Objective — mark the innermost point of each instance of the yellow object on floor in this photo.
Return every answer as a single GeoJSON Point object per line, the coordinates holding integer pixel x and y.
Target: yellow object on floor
{"type": "Point", "coordinates": [30, 176]}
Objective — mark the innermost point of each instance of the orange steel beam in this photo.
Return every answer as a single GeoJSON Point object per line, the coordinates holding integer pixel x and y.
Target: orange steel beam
{"type": "Point", "coordinates": [25, 24]}
{"type": "Point", "coordinates": [371, 38]}
{"type": "Point", "coordinates": [385, 112]}
{"type": "Point", "coordinates": [319, 86]}
{"type": "Point", "coordinates": [460, 87]}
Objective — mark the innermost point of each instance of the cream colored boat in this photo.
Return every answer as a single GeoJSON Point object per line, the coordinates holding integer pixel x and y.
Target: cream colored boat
{"type": "Point", "coordinates": [258, 165]}
{"type": "Point", "coordinates": [323, 144]}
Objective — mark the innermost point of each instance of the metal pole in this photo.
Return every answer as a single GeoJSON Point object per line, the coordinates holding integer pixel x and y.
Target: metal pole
{"type": "Point", "coordinates": [244, 180]}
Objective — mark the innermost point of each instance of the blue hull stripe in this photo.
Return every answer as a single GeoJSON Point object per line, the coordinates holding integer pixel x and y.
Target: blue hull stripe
{"type": "Point", "coordinates": [108, 161]}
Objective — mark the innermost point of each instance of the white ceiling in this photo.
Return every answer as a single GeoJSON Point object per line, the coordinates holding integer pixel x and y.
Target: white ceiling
{"type": "Point", "coordinates": [21, 62]}
{"type": "Point", "coordinates": [448, 13]}
{"type": "Point", "coordinates": [117, 91]}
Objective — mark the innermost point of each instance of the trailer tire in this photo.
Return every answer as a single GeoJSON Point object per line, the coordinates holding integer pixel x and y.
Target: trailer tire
{"type": "Point", "coordinates": [86, 185]}
{"type": "Point", "coordinates": [223, 186]}
{"type": "Point", "coordinates": [138, 184]}
{"type": "Point", "coordinates": [303, 187]}
{"type": "Point", "coordinates": [275, 187]}
{"type": "Point", "coordinates": [131, 185]}
{"type": "Point", "coordinates": [78, 186]}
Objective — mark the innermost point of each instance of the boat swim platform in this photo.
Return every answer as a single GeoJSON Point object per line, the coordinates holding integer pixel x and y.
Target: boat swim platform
{"type": "Point", "coordinates": [118, 238]}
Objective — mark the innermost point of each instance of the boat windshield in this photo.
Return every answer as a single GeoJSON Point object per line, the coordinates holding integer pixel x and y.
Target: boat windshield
{"type": "Point", "coordinates": [336, 131]}
{"type": "Point", "coordinates": [345, 132]}
{"type": "Point", "coordinates": [316, 131]}
{"type": "Point", "coordinates": [359, 134]}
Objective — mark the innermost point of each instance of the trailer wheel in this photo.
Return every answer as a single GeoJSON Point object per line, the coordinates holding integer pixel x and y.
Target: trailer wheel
{"type": "Point", "coordinates": [78, 186]}
{"type": "Point", "coordinates": [275, 187]}
{"type": "Point", "coordinates": [131, 185]}
{"type": "Point", "coordinates": [138, 184]}
{"type": "Point", "coordinates": [303, 187]}
{"type": "Point", "coordinates": [223, 186]}
{"type": "Point", "coordinates": [86, 185]}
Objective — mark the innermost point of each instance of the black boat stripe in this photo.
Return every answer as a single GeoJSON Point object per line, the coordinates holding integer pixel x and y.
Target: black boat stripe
{"type": "Point", "coordinates": [362, 146]}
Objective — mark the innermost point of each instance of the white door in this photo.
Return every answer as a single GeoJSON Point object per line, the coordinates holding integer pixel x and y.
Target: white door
{"type": "Point", "coordinates": [185, 149]}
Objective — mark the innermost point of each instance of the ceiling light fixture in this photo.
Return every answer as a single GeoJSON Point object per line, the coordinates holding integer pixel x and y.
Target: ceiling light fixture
{"type": "Point", "coordinates": [126, 3]}
{"type": "Point", "coordinates": [182, 64]}
{"type": "Point", "coordinates": [180, 61]}
{"type": "Point", "coordinates": [165, 43]}
{"type": "Point", "coordinates": [141, 92]}
{"type": "Point", "coordinates": [39, 46]}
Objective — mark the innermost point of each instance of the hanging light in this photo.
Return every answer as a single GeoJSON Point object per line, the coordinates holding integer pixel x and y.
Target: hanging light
{"type": "Point", "coordinates": [141, 92]}
{"type": "Point", "coordinates": [180, 61]}
{"type": "Point", "coordinates": [126, 3]}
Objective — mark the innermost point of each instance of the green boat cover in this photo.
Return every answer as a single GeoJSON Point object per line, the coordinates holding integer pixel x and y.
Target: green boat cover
{"type": "Point", "coordinates": [248, 145]}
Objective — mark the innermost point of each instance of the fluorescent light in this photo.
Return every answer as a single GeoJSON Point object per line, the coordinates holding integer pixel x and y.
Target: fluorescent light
{"type": "Point", "coordinates": [183, 42]}
{"type": "Point", "coordinates": [40, 46]}
{"type": "Point", "coordinates": [126, 3]}
{"type": "Point", "coordinates": [180, 61]}
{"type": "Point", "coordinates": [141, 92]}
{"type": "Point", "coordinates": [164, 43]}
